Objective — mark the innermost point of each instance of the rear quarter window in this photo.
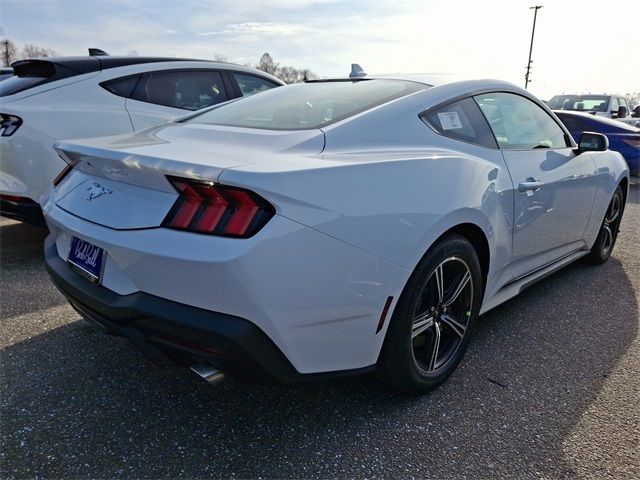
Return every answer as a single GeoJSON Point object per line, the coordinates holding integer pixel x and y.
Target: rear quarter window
{"type": "Point", "coordinates": [123, 87]}
{"type": "Point", "coordinates": [250, 84]}
{"type": "Point", "coordinates": [461, 120]}
{"type": "Point", "coordinates": [184, 89]}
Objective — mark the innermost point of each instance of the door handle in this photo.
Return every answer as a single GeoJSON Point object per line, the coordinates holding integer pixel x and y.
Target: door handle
{"type": "Point", "coordinates": [531, 184]}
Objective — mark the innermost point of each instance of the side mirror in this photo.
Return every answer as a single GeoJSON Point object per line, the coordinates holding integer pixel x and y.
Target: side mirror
{"type": "Point", "coordinates": [622, 112]}
{"type": "Point", "coordinates": [592, 142]}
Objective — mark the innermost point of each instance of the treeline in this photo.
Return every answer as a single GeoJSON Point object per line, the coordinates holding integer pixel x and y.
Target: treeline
{"type": "Point", "coordinates": [10, 52]}
{"type": "Point", "coordinates": [285, 73]}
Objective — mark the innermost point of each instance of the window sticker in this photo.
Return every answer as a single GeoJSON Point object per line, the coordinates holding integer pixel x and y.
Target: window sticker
{"type": "Point", "coordinates": [449, 120]}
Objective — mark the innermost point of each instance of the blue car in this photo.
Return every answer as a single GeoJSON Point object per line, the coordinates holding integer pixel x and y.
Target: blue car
{"type": "Point", "coordinates": [623, 138]}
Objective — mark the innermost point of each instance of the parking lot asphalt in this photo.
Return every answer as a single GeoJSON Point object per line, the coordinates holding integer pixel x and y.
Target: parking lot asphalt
{"type": "Point", "coordinates": [550, 387]}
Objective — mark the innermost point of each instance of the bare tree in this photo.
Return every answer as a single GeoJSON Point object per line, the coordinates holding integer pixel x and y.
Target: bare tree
{"type": "Point", "coordinates": [266, 64]}
{"type": "Point", "coordinates": [132, 53]}
{"type": "Point", "coordinates": [285, 73]}
{"type": "Point", "coordinates": [633, 98]}
{"type": "Point", "coordinates": [33, 51]}
{"type": "Point", "coordinates": [8, 51]}
{"type": "Point", "coordinates": [221, 57]}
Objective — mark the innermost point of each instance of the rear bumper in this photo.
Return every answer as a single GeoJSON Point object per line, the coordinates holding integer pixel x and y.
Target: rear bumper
{"type": "Point", "coordinates": [22, 209]}
{"type": "Point", "coordinates": [170, 333]}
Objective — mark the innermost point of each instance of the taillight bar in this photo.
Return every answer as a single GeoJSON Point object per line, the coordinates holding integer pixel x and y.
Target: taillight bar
{"type": "Point", "coordinates": [9, 124]}
{"type": "Point", "coordinates": [70, 164]}
{"type": "Point", "coordinates": [214, 209]}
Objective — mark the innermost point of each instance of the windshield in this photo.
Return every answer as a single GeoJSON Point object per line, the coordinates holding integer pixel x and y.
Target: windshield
{"type": "Point", "coordinates": [307, 105]}
{"type": "Point", "coordinates": [588, 103]}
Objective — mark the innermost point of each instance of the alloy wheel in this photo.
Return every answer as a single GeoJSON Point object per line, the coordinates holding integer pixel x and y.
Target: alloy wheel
{"type": "Point", "coordinates": [610, 224]}
{"type": "Point", "coordinates": [442, 314]}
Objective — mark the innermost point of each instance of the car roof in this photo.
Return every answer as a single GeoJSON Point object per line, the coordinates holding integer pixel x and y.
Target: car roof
{"type": "Point", "coordinates": [97, 63]}
{"type": "Point", "coordinates": [429, 79]}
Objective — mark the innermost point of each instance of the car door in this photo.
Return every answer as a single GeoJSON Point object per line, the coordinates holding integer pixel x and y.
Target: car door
{"type": "Point", "coordinates": [164, 95]}
{"type": "Point", "coordinates": [554, 187]}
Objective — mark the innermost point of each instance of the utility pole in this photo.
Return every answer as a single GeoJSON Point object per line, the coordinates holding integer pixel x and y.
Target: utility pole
{"type": "Point", "coordinates": [533, 31]}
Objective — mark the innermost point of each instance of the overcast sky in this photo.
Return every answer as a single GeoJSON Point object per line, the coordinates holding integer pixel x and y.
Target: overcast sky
{"type": "Point", "coordinates": [580, 45]}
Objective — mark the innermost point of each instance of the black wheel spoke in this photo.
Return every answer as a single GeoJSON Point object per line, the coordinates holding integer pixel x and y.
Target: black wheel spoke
{"type": "Point", "coordinates": [608, 237]}
{"type": "Point", "coordinates": [456, 290]}
{"type": "Point", "coordinates": [457, 327]}
{"type": "Point", "coordinates": [435, 347]}
{"type": "Point", "coordinates": [421, 324]}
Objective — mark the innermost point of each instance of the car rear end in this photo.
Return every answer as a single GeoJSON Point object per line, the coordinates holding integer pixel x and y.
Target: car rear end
{"type": "Point", "coordinates": [148, 243]}
{"type": "Point", "coordinates": [28, 160]}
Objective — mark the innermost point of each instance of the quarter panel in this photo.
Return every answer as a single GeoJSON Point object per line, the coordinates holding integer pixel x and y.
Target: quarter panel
{"type": "Point", "coordinates": [610, 169]}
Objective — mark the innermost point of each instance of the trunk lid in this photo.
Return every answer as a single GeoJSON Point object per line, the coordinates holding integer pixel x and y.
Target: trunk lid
{"type": "Point", "coordinates": [120, 182]}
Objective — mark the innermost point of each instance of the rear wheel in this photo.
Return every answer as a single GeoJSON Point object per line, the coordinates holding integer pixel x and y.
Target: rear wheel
{"type": "Point", "coordinates": [601, 250]}
{"type": "Point", "coordinates": [432, 323]}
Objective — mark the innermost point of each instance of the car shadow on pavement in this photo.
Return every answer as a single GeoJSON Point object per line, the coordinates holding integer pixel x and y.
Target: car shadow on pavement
{"type": "Point", "coordinates": [25, 286]}
{"type": "Point", "coordinates": [77, 403]}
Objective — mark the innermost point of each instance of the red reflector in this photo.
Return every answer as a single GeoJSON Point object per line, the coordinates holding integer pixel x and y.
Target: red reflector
{"type": "Point", "coordinates": [383, 316]}
{"type": "Point", "coordinates": [204, 207]}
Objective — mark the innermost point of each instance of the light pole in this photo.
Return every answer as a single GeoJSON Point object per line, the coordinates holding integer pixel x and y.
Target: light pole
{"type": "Point", "coordinates": [533, 31]}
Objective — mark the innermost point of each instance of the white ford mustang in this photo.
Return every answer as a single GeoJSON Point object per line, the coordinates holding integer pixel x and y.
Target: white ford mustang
{"type": "Point", "coordinates": [329, 227]}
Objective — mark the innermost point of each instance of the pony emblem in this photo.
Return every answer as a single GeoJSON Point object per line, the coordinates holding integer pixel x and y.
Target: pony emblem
{"type": "Point", "coordinates": [96, 190]}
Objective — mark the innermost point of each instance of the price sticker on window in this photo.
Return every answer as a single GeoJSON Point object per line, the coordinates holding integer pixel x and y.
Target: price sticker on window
{"type": "Point", "coordinates": [450, 120]}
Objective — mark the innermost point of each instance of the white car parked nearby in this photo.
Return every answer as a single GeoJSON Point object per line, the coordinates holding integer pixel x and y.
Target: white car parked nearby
{"type": "Point", "coordinates": [50, 99]}
{"type": "Point", "coordinates": [330, 227]}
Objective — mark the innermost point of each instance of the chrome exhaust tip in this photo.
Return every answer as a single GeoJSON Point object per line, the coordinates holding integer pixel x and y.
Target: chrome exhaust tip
{"type": "Point", "coordinates": [210, 374]}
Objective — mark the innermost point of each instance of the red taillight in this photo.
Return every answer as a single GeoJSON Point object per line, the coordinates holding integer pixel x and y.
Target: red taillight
{"type": "Point", "coordinates": [205, 207]}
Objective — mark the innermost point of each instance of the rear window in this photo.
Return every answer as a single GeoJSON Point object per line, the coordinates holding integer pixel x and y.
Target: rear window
{"type": "Point", "coordinates": [307, 105]}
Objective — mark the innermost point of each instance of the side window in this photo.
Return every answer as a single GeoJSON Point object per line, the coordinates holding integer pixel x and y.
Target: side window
{"type": "Point", "coordinates": [614, 105]}
{"type": "Point", "coordinates": [520, 124]}
{"type": "Point", "coordinates": [250, 85]}
{"type": "Point", "coordinates": [121, 86]}
{"type": "Point", "coordinates": [461, 120]}
{"type": "Point", "coordinates": [623, 103]}
{"type": "Point", "coordinates": [186, 89]}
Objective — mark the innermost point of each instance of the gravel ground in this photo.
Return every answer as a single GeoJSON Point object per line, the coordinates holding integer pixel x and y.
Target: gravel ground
{"type": "Point", "coordinates": [549, 388]}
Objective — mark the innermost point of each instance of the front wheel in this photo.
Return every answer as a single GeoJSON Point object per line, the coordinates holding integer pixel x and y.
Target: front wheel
{"type": "Point", "coordinates": [433, 321]}
{"type": "Point", "coordinates": [601, 250]}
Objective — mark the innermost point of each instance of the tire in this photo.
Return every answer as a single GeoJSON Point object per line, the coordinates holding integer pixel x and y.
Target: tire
{"type": "Point", "coordinates": [608, 234]}
{"type": "Point", "coordinates": [424, 317]}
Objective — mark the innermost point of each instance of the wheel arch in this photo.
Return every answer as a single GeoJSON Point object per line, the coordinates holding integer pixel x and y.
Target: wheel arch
{"type": "Point", "coordinates": [624, 185]}
{"type": "Point", "coordinates": [476, 236]}
{"type": "Point", "coordinates": [472, 224]}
